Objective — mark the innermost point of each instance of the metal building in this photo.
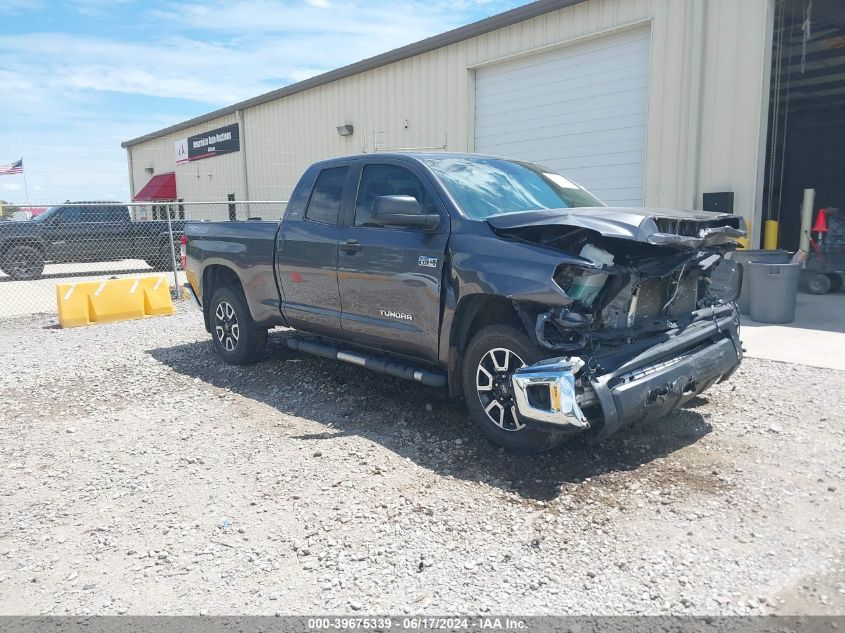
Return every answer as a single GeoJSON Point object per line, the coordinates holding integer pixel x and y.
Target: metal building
{"type": "Point", "coordinates": [653, 102]}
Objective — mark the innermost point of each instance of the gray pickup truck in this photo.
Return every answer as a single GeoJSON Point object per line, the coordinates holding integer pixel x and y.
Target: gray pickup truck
{"type": "Point", "coordinates": [551, 313]}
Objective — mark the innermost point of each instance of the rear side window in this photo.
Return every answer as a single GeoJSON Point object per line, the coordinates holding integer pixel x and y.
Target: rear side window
{"type": "Point", "coordinates": [116, 214]}
{"type": "Point", "coordinates": [105, 214]}
{"type": "Point", "coordinates": [325, 199]}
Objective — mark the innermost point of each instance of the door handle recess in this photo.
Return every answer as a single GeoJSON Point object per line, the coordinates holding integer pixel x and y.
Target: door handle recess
{"type": "Point", "coordinates": [352, 246]}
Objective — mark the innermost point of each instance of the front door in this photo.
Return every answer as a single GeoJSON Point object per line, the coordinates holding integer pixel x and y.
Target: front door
{"type": "Point", "coordinates": [307, 258]}
{"type": "Point", "coordinates": [71, 239]}
{"type": "Point", "coordinates": [390, 277]}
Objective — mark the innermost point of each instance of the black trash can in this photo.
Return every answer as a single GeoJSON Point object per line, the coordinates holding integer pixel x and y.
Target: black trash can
{"type": "Point", "coordinates": [774, 289]}
{"type": "Point", "coordinates": [743, 257]}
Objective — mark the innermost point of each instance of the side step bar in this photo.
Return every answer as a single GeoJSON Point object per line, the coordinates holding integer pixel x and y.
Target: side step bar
{"type": "Point", "coordinates": [374, 363]}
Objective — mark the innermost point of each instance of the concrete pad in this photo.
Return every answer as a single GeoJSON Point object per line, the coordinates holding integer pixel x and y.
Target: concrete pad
{"type": "Point", "coordinates": [815, 338]}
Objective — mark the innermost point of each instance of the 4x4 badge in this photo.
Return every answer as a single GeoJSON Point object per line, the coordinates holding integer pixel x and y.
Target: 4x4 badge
{"type": "Point", "coordinates": [428, 262]}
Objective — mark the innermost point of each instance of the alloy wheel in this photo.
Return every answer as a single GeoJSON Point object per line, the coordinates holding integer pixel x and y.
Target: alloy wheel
{"type": "Point", "coordinates": [493, 383]}
{"type": "Point", "coordinates": [24, 263]}
{"type": "Point", "coordinates": [226, 326]}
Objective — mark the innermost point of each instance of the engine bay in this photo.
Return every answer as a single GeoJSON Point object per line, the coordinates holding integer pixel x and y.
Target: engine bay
{"type": "Point", "coordinates": [622, 289]}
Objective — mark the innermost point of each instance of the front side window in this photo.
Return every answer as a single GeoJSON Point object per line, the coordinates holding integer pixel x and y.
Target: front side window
{"type": "Point", "coordinates": [489, 186]}
{"type": "Point", "coordinates": [388, 180]}
{"type": "Point", "coordinates": [72, 215]}
{"type": "Point", "coordinates": [91, 214]}
{"type": "Point", "coordinates": [324, 205]}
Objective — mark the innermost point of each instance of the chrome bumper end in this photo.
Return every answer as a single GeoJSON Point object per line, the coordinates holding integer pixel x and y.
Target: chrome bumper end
{"type": "Point", "coordinates": [545, 394]}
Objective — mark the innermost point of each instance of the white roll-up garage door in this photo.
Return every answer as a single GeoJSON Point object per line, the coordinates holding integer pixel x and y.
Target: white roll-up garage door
{"type": "Point", "coordinates": [580, 110]}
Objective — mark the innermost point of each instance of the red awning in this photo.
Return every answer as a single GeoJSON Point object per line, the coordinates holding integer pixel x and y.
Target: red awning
{"type": "Point", "coordinates": [160, 187]}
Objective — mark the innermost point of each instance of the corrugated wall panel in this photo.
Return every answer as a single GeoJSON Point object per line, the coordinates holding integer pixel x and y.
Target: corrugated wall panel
{"type": "Point", "coordinates": [434, 92]}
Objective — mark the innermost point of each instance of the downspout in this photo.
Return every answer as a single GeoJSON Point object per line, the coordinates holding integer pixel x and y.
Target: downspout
{"type": "Point", "coordinates": [758, 212]}
{"type": "Point", "coordinates": [131, 178]}
{"type": "Point", "coordinates": [239, 115]}
{"type": "Point", "coordinates": [695, 92]}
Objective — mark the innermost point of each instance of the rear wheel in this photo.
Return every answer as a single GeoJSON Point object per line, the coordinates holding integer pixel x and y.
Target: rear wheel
{"type": "Point", "coordinates": [835, 282]}
{"type": "Point", "coordinates": [164, 257]}
{"type": "Point", "coordinates": [491, 358]}
{"type": "Point", "coordinates": [23, 262]}
{"type": "Point", "coordinates": [236, 337]}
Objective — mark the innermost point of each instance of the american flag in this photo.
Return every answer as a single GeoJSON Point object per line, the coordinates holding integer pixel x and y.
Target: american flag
{"type": "Point", "coordinates": [12, 168]}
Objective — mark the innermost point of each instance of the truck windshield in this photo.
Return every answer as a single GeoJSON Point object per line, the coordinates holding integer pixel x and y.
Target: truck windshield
{"type": "Point", "coordinates": [488, 186]}
{"type": "Point", "coordinates": [49, 213]}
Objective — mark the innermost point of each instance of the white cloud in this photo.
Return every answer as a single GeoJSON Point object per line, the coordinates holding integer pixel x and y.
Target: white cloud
{"type": "Point", "coordinates": [212, 53]}
{"type": "Point", "coordinates": [18, 6]}
{"type": "Point", "coordinates": [93, 8]}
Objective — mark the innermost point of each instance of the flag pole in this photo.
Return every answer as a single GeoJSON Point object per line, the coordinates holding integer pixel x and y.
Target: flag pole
{"type": "Point", "coordinates": [25, 187]}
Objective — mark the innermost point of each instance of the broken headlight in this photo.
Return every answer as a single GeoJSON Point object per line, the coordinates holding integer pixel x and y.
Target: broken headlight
{"type": "Point", "coordinates": [726, 280]}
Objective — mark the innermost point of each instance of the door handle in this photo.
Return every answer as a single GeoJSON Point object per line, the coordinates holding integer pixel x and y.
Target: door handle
{"type": "Point", "coordinates": [352, 246]}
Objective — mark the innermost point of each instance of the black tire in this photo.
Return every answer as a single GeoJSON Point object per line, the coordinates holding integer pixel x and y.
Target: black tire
{"type": "Point", "coordinates": [163, 259]}
{"type": "Point", "coordinates": [23, 262]}
{"type": "Point", "coordinates": [236, 337]}
{"type": "Point", "coordinates": [835, 282]}
{"type": "Point", "coordinates": [817, 283]}
{"type": "Point", "coordinates": [508, 432]}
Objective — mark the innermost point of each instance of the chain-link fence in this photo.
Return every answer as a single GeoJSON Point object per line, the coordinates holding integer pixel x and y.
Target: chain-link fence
{"type": "Point", "coordinates": [42, 246]}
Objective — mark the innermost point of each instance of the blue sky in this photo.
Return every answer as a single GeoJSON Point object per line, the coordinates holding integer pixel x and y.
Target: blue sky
{"type": "Point", "coordinates": [77, 77]}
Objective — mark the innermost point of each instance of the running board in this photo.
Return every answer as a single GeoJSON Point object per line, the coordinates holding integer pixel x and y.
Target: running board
{"type": "Point", "coordinates": [374, 363]}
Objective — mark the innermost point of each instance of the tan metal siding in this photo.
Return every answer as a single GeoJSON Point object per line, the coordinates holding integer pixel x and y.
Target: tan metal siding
{"type": "Point", "coordinates": [711, 147]}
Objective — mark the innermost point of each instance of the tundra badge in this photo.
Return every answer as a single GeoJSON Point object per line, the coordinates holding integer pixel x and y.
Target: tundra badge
{"type": "Point", "coordinates": [396, 315]}
{"type": "Point", "coordinates": [428, 262]}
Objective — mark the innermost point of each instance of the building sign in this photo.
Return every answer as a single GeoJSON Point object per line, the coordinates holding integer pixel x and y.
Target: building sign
{"type": "Point", "coordinates": [224, 140]}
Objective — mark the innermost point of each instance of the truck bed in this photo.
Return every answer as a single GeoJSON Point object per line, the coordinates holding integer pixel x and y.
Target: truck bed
{"type": "Point", "coordinates": [247, 246]}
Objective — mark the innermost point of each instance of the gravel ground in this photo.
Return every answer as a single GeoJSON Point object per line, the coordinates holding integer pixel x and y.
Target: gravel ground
{"type": "Point", "coordinates": [143, 476]}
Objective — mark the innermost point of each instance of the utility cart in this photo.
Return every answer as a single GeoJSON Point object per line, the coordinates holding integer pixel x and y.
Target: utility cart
{"type": "Point", "coordinates": [825, 265]}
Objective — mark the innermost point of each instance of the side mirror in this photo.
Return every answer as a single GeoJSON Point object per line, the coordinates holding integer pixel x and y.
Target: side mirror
{"type": "Point", "coordinates": [403, 211]}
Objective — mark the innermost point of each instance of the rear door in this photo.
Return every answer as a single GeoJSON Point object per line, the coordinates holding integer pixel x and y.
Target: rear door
{"type": "Point", "coordinates": [306, 261]}
{"type": "Point", "coordinates": [390, 277]}
{"type": "Point", "coordinates": [111, 226]}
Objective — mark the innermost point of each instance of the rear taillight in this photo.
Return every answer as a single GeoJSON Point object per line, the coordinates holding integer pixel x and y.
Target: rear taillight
{"type": "Point", "coordinates": [183, 242]}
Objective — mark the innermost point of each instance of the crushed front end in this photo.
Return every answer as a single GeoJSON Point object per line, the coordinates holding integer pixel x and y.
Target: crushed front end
{"type": "Point", "coordinates": [650, 324]}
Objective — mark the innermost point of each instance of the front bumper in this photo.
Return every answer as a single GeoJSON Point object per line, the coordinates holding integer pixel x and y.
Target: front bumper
{"type": "Point", "coordinates": [652, 383]}
{"type": "Point", "coordinates": [557, 404]}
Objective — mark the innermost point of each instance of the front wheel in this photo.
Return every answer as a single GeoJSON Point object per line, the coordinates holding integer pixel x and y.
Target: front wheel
{"type": "Point", "coordinates": [236, 337]}
{"type": "Point", "coordinates": [491, 358]}
{"type": "Point", "coordinates": [23, 262]}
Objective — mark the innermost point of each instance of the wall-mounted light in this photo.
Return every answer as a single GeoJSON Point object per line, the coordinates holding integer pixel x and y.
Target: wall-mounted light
{"type": "Point", "coordinates": [345, 130]}
{"type": "Point", "coordinates": [149, 170]}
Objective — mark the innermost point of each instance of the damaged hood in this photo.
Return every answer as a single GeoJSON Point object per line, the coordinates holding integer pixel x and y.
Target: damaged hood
{"type": "Point", "coordinates": [662, 227]}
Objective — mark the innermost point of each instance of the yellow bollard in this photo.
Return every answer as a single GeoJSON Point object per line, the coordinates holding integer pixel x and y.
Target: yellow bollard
{"type": "Point", "coordinates": [770, 235]}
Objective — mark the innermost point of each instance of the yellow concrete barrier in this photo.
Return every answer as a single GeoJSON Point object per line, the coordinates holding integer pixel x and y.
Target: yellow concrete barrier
{"type": "Point", "coordinates": [110, 300]}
